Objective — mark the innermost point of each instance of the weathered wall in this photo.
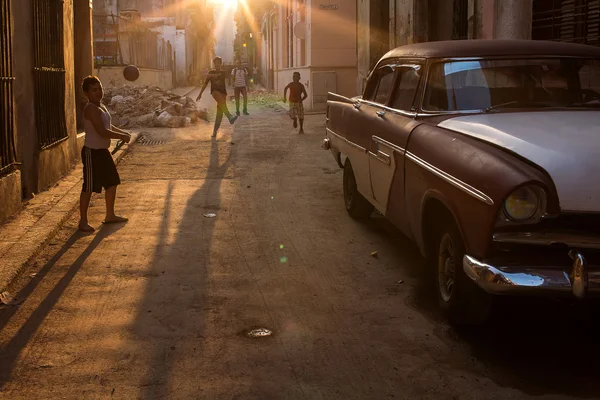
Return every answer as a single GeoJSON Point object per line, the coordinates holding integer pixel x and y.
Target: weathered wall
{"type": "Point", "coordinates": [154, 77]}
{"type": "Point", "coordinates": [513, 19]}
{"type": "Point", "coordinates": [42, 168]}
{"type": "Point", "coordinates": [84, 61]}
{"type": "Point", "coordinates": [440, 20]}
{"type": "Point", "coordinates": [26, 131]}
{"type": "Point", "coordinates": [362, 43]}
{"type": "Point", "coordinates": [10, 195]}
{"type": "Point", "coordinates": [56, 161]}
{"type": "Point", "coordinates": [180, 58]}
{"type": "Point", "coordinates": [333, 34]}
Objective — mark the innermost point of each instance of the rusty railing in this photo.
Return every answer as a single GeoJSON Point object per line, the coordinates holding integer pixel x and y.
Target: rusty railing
{"type": "Point", "coordinates": [49, 72]}
{"type": "Point", "coordinates": [7, 122]}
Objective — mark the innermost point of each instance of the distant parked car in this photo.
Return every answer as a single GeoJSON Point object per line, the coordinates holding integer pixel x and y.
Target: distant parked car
{"type": "Point", "coordinates": [487, 155]}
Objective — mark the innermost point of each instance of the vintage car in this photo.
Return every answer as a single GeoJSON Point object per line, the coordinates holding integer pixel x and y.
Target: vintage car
{"type": "Point", "coordinates": [487, 155]}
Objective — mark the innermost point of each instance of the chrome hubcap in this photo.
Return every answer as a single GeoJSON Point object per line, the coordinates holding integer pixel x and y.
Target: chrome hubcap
{"type": "Point", "coordinates": [446, 268]}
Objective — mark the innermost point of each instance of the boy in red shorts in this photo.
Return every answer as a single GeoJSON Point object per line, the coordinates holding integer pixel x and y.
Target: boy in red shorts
{"type": "Point", "coordinates": [297, 96]}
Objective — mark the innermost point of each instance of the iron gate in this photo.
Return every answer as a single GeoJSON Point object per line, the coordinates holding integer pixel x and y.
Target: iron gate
{"type": "Point", "coordinates": [49, 71]}
{"type": "Point", "coordinates": [576, 21]}
{"type": "Point", "coordinates": [7, 122]}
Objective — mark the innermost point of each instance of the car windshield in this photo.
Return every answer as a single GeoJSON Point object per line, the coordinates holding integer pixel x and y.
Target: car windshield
{"type": "Point", "coordinates": [516, 83]}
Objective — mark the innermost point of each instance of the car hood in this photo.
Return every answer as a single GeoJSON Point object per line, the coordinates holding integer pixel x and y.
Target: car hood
{"type": "Point", "coordinates": [564, 143]}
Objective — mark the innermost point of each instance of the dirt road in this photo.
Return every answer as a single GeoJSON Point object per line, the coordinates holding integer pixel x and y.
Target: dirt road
{"type": "Point", "coordinates": [159, 307]}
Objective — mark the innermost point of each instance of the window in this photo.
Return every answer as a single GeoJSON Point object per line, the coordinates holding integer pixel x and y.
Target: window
{"type": "Point", "coordinates": [476, 85]}
{"type": "Point", "coordinates": [385, 85]}
{"type": "Point", "coordinates": [49, 72]}
{"type": "Point", "coordinates": [7, 138]}
{"type": "Point", "coordinates": [407, 84]}
{"type": "Point", "coordinates": [574, 21]}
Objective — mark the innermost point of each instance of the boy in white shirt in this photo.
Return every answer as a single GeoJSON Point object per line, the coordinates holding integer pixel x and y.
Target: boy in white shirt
{"type": "Point", "coordinates": [239, 75]}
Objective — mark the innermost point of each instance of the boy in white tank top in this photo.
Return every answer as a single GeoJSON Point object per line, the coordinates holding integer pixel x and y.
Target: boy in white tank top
{"type": "Point", "coordinates": [99, 170]}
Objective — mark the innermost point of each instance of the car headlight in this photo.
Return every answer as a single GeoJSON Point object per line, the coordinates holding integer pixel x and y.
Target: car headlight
{"type": "Point", "coordinates": [522, 204]}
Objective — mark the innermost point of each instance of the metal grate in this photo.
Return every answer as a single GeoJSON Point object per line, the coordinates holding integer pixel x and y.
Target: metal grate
{"type": "Point", "coordinates": [49, 71]}
{"type": "Point", "coordinates": [460, 20]}
{"type": "Point", "coordinates": [576, 21]}
{"type": "Point", "coordinates": [7, 123]}
{"type": "Point", "coordinates": [144, 141]}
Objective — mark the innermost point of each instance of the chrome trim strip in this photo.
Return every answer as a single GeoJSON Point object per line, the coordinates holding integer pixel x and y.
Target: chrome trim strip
{"type": "Point", "coordinates": [392, 110]}
{"type": "Point", "coordinates": [479, 195]}
{"type": "Point", "coordinates": [583, 241]}
{"type": "Point", "coordinates": [346, 140]}
{"type": "Point", "coordinates": [381, 156]}
{"type": "Point", "coordinates": [392, 146]}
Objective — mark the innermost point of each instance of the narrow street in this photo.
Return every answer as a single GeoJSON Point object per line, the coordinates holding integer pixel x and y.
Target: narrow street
{"type": "Point", "coordinates": [160, 307]}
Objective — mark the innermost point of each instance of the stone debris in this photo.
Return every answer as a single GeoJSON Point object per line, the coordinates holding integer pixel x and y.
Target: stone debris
{"type": "Point", "coordinates": [150, 106]}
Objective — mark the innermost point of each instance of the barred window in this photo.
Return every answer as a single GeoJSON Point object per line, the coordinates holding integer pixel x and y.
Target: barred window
{"type": "Point", "coordinates": [49, 70]}
{"type": "Point", "coordinates": [576, 21]}
{"type": "Point", "coordinates": [7, 122]}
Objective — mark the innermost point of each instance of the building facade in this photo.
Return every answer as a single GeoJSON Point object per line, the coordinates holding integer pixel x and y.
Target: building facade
{"type": "Point", "coordinates": [41, 102]}
{"type": "Point", "coordinates": [316, 38]}
{"type": "Point", "coordinates": [385, 24]}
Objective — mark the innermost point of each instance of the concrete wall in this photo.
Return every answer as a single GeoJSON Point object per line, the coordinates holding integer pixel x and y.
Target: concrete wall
{"type": "Point", "coordinates": [153, 77]}
{"type": "Point", "coordinates": [180, 58]}
{"type": "Point", "coordinates": [333, 35]}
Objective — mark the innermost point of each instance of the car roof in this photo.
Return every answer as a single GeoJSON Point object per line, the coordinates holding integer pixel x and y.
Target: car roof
{"type": "Point", "coordinates": [492, 48]}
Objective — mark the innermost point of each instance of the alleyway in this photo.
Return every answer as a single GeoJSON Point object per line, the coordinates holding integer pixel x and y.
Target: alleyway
{"type": "Point", "coordinates": [159, 307]}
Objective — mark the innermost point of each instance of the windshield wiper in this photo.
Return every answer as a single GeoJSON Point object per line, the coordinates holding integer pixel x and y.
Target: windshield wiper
{"type": "Point", "coordinates": [510, 103]}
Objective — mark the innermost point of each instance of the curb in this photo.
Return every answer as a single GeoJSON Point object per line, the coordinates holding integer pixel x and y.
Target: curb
{"type": "Point", "coordinates": [17, 259]}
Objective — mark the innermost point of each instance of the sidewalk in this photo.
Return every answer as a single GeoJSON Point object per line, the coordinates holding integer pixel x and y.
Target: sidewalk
{"type": "Point", "coordinates": [23, 235]}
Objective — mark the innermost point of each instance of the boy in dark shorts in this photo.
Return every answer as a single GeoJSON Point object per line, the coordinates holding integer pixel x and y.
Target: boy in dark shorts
{"type": "Point", "coordinates": [99, 170]}
{"type": "Point", "coordinates": [297, 96]}
{"type": "Point", "coordinates": [217, 78]}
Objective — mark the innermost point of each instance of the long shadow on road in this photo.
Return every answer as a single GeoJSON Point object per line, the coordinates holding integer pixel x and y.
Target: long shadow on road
{"type": "Point", "coordinates": [172, 315]}
{"type": "Point", "coordinates": [11, 350]}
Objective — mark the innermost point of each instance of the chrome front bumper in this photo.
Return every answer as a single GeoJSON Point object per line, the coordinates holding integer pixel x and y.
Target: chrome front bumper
{"type": "Point", "coordinates": [577, 280]}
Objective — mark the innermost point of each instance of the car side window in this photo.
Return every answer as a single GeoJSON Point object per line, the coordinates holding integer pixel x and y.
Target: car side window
{"type": "Point", "coordinates": [406, 88]}
{"type": "Point", "coordinates": [385, 85]}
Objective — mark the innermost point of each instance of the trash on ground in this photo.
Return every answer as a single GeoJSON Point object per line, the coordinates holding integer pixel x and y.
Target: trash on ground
{"type": "Point", "coordinates": [210, 215]}
{"type": "Point", "coordinates": [150, 106]}
{"type": "Point", "coordinates": [33, 275]}
{"type": "Point", "coordinates": [400, 282]}
{"type": "Point", "coordinates": [7, 299]}
{"type": "Point", "coordinates": [374, 254]}
{"type": "Point", "coordinates": [260, 332]}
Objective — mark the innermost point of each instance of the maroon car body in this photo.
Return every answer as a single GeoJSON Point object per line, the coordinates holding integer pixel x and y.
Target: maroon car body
{"type": "Point", "coordinates": [431, 145]}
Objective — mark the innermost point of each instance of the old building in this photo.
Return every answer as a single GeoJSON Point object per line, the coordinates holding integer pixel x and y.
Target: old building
{"type": "Point", "coordinates": [169, 40]}
{"type": "Point", "coordinates": [316, 38]}
{"type": "Point", "coordinates": [385, 24]}
{"type": "Point", "coordinates": [41, 99]}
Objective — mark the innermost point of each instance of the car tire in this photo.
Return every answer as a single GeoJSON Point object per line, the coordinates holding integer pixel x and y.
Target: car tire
{"type": "Point", "coordinates": [461, 300]}
{"type": "Point", "coordinates": [356, 204]}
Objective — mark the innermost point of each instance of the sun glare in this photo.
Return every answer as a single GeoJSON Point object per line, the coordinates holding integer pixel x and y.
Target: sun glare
{"type": "Point", "coordinates": [226, 3]}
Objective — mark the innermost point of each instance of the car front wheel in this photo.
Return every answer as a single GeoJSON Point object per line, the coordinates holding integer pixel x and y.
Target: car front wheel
{"type": "Point", "coordinates": [356, 204]}
{"type": "Point", "coordinates": [462, 302]}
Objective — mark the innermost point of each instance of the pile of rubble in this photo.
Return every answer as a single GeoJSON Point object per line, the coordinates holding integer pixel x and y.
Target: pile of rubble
{"type": "Point", "coordinates": [150, 106]}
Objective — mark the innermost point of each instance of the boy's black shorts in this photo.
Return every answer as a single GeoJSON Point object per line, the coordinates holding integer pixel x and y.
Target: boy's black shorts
{"type": "Point", "coordinates": [99, 170]}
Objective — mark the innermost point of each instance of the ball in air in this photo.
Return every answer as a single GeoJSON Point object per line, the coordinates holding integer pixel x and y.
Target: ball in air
{"type": "Point", "coordinates": [131, 73]}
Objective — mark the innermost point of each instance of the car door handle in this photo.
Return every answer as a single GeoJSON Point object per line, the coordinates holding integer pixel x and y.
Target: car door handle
{"type": "Point", "coordinates": [357, 105]}
{"type": "Point", "coordinates": [380, 114]}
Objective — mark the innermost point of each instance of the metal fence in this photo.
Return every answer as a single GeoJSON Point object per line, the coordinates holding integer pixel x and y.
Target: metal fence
{"type": "Point", "coordinates": [576, 21]}
{"type": "Point", "coordinates": [121, 41]}
{"type": "Point", "coordinates": [7, 125]}
{"type": "Point", "coordinates": [49, 72]}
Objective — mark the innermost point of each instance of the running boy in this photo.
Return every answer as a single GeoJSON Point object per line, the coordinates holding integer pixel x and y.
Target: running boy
{"type": "Point", "coordinates": [99, 169]}
{"type": "Point", "coordinates": [217, 78]}
{"type": "Point", "coordinates": [297, 96]}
